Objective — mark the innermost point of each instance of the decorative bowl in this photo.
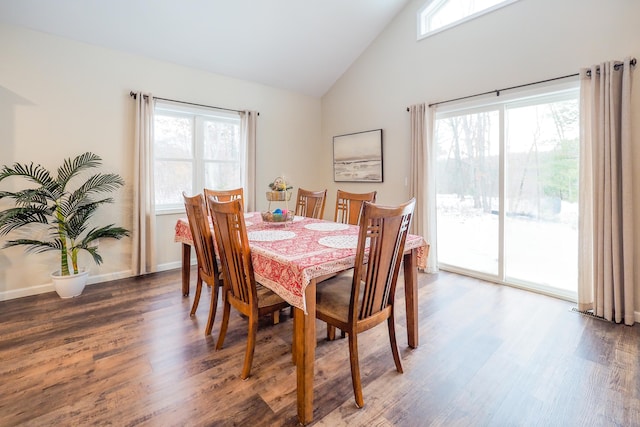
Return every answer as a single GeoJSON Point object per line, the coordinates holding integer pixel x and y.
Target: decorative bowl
{"type": "Point", "coordinates": [277, 217]}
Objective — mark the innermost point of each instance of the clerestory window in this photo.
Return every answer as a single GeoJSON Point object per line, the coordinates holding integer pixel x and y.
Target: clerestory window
{"type": "Point", "coordinates": [438, 15]}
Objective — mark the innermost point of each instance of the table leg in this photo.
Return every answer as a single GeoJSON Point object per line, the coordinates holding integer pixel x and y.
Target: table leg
{"type": "Point", "coordinates": [186, 268]}
{"type": "Point", "coordinates": [305, 347]}
{"type": "Point", "coordinates": [411, 296]}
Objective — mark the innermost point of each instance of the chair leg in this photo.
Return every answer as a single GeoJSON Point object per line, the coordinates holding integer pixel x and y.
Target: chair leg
{"type": "Point", "coordinates": [196, 298]}
{"type": "Point", "coordinates": [331, 332]}
{"type": "Point", "coordinates": [355, 369]}
{"type": "Point", "coordinates": [212, 309]}
{"type": "Point", "coordinates": [225, 323]}
{"type": "Point", "coordinates": [251, 345]}
{"type": "Point", "coordinates": [394, 343]}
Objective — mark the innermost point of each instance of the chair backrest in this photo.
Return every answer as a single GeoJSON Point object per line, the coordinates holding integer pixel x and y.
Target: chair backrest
{"type": "Point", "coordinates": [202, 236]}
{"type": "Point", "coordinates": [235, 255]}
{"type": "Point", "coordinates": [384, 229]}
{"type": "Point", "coordinates": [225, 195]}
{"type": "Point", "coordinates": [349, 206]}
{"type": "Point", "coordinates": [311, 203]}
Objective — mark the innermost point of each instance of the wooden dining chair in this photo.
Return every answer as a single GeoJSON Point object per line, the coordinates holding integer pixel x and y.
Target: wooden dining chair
{"type": "Point", "coordinates": [239, 285]}
{"type": "Point", "coordinates": [357, 301]}
{"type": "Point", "coordinates": [208, 270]}
{"type": "Point", "coordinates": [225, 195]}
{"type": "Point", "coordinates": [310, 203]}
{"type": "Point", "coordinates": [349, 206]}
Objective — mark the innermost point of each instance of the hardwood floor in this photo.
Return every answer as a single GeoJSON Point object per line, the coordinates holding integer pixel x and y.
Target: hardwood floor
{"type": "Point", "coordinates": [127, 353]}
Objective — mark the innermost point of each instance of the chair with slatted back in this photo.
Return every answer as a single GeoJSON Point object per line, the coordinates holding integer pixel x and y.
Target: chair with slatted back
{"type": "Point", "coordinates": [205, 254]}
{"type": "Point", "coordinates": [357, 301]}
{"type": "Point", "coordinates": [349, 211]}
{"type": "Point", "coordinates": [349, 206]}
{"type": "Point", "coordinates": [225, 195]}
{"type": "Point", "coordinates": [240, 288]}
{"type": "Point", "coordinates": [310, 203]}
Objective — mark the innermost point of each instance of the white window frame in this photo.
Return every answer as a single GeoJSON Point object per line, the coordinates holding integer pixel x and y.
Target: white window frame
{"type": "Point", "coordinates": [198, 115]}
{"type": "Point", "coordinates": [432, 6]}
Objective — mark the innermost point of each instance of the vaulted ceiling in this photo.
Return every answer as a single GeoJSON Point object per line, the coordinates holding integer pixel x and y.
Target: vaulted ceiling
{"type": "Point", "coordinates": [299, 45]}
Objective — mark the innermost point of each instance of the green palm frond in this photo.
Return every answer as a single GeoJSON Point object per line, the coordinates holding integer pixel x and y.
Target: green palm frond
{"type": "Point", "coordinates": [84, 208]}
{"type": "Point", "coordinates": [34, 173]}
{"type": "Point", "coordinates": [35, 246]}
{"type": "Point", "coordinates": [14, 218]}
{"type": "Point", "coordinates": [71, 168]}
{"type": "Point", "coordinates": [77, 223]}
{"type": "Point", "coordinates": [101, 183]}
{"type": "Point", "coordinates": [107, 232]}
{"type": "Point", "coordinates": [93, 251]}
{"type": "Point", "coordinates": [28, 197]}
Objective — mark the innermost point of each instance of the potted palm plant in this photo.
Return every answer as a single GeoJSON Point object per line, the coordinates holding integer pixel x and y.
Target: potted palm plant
{"type": "Point", "coordinates": [56, 213]}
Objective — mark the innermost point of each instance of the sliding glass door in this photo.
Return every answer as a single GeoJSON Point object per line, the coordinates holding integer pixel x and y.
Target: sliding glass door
{"type": "Point", "coordinates": [507, 190]}
{"type": "Point", "coordinates": [468, 147]}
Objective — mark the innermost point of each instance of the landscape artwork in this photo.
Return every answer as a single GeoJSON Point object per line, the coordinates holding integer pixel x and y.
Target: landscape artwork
{"type": "Point", "coordinates": [358, 157]}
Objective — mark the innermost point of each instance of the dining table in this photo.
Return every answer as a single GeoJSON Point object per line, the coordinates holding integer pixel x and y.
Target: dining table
{"type": "Point", "coordinates": [292, 258]}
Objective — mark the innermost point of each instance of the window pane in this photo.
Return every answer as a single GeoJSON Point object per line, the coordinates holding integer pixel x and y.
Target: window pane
{"type": "Point", "coordinates": [541, 224]}
{"type": "Point", "coordinates": [171, 179]}
{"type": "Point", "coordinates": [468, 191]}
{"type": "Point", "coordinates": [221, 140]}
{"type": "Point", "coordinates": [441, 13]}
{"type": "Point", "coordinates": [222, 176]}
{"type": "Point", "coordinates": [173, 137]}
{"type": "Point", "coordinates": [194, 148]}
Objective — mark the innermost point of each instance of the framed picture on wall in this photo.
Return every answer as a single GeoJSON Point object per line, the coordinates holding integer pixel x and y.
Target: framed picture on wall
{"type": "Point", "coordinates": [357, 157]}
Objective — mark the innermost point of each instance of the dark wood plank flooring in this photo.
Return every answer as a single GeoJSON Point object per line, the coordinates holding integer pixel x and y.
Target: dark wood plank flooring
{"type": "Point", "coordinates": [127, 353]}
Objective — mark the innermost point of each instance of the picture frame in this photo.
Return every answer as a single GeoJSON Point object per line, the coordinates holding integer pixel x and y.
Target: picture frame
{"type": "Point", "coordinates": [357, 157]}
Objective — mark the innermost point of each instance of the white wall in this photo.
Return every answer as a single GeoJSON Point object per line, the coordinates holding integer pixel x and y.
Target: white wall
{"type": "Point", "coordinates": [59, 98]}
{"type": "Point", "coordinates": [527, 41]}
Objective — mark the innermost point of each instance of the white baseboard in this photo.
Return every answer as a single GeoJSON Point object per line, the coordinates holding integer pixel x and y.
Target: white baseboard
{"type": "Point", "coordinates": [48, 287]}
{"type": "Point", "coordinates": [172, 265]}
{"type": "Point", "coordinates": [25, 292]}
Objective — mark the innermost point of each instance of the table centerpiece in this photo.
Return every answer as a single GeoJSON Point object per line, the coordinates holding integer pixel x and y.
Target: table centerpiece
{"type": "Point", "coordinates": [280, 192]}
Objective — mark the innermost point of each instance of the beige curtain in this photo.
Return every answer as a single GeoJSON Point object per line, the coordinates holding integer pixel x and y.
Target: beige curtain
{"type": "Point", "coordinates": [248, 124]}
{"type": "Point", "coordinates": [422, 182]}
{"type": "Point", "coordinates": [143, 253]}
{"type": "Point", "coordinates": [606, 259]}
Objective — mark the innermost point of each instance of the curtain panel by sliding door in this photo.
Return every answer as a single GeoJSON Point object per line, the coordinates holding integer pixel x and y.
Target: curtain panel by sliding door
{"type": "Point", "coordinates": [606, 258]}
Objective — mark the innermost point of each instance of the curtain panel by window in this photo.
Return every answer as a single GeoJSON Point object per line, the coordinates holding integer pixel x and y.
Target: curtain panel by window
{"type": "Point", "coordinates": [422, 184]}
{"type": "Point", "coordinates": [248, 125]}
{"type": "Point", "coordinates": [606, 257]}
{"type": "Point", "coordinates": [143, 257]}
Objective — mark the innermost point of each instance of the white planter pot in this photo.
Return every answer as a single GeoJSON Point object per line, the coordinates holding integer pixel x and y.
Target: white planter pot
{"type": "Point", "coordinates": [69, 286]}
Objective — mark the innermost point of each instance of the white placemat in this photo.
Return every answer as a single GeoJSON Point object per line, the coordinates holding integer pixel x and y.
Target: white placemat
{"type": "Point", "coordinates": [248, 223]}
{"type": "Point", "coordinates": [248, 215]}
{"type": "Point", "coordinates": [297, 218]}
{"type": "Point", "coordinates": [326, 226]}
{"type": "Point", "coordinates": [270, 235]}
{"type": "Point", "coordinates": [341, 242]}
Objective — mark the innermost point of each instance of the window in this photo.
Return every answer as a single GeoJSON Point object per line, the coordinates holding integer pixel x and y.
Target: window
{"type": "Point", "coordinates": [194, 148]}
{"type": "Point", "coordinates": [438, 15]}
{"type": "Point", "coordinates": [507, 190]}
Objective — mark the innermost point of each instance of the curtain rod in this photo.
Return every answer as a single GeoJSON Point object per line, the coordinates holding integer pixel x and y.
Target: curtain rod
{"type": "Point", "coordinates": [134, 96]}
{"type": "Point", "coordinates": [497, 91]}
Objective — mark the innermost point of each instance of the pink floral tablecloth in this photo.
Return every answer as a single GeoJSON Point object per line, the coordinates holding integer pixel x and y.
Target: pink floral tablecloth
{"type": "Point", "coordinates": [286, 257]}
